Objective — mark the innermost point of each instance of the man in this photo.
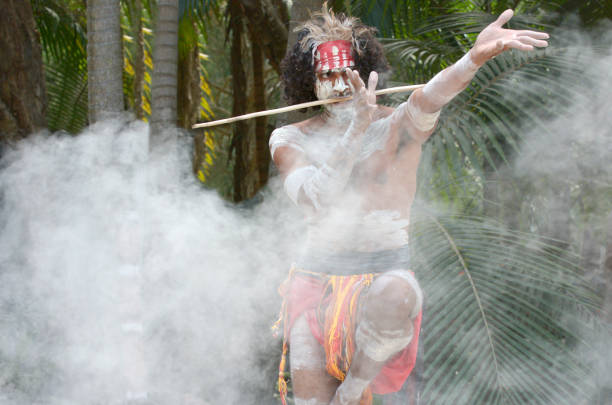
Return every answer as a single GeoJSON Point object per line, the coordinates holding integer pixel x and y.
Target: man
{"type": "Point", "coordinates": [352, 307]}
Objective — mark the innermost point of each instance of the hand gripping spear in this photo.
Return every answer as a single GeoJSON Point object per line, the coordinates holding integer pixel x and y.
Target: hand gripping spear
{"type": "Point", "coordinates": [401, 89]}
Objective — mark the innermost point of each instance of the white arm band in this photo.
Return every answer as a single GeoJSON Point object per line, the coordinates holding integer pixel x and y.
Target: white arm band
{"type": "Point", "coordinates": [421, 120]}
{"type": "Point", "coordinates": [295, 180]}
{"type": "Point", "coordinates": [286, 136]}
{"type": "Point", "coordinates": [450, 82]}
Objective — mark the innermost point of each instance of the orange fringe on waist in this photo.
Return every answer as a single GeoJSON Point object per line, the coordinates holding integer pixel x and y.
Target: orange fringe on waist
{"type": "Point", "coordinates": [337, 311]}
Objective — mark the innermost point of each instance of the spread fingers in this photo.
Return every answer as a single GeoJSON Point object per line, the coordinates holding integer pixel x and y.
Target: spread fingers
{"type": "Point", "coordinates": [372, 81]}
{"type": "Point", "coordinates": [353, 76]}
{"type": "Point", "coordinates": [516, 44]}
{"type": "Point", "coordinates": [532, 41]}
{"type": "Point", "coordinates": [504, 18]}
{"type": "Point", "coordinates": [532, 34]}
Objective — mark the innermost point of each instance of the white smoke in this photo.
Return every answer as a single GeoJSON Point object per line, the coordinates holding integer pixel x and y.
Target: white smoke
{"type": "Point", "coordinates": [570, 170]}
{"type": "Point", "coordinates": [124, 279]}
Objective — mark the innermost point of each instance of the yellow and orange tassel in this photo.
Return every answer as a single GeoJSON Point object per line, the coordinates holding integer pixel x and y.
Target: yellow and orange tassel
{"type": "Point", "coordinates": [340, 318]}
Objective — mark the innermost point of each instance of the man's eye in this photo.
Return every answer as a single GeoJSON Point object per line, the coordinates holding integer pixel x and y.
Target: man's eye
{"type": "Point", "coordinates": [325, 75]}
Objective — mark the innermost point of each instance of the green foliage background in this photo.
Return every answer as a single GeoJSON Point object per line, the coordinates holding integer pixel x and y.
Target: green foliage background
{"type": "Point", "coordinates": [511, 296]}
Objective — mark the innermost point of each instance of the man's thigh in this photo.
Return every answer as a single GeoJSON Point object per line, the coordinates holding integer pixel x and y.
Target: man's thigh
{"type": "Point", "coordinates": [312, 384]}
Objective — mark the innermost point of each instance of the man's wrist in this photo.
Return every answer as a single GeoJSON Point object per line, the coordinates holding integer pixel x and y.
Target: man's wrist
{"type": "Point", "coordinates": [477, 58]}
{"type": "Point", "coordinates": [465, 68]}
{"type": "Point", "coordinates": [357, 128]}
{"type": "Point", "coordinates": [351, 140]}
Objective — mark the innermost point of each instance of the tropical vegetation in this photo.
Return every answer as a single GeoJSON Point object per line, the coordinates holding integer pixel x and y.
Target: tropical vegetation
{"type": "Point", "coordinates": [514, 251]}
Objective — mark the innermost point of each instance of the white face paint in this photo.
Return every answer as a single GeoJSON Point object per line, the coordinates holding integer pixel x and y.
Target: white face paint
{"type": "Point", "coordinates": [334, 86]}
{"type": "Point", "coordinates": [324, 89]}
{"type": "Point", "coordinates": [340, 86]}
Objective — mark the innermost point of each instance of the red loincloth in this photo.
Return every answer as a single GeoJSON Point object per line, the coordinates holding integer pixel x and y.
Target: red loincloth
{"type": "Point", "coordinates": [330, 305]}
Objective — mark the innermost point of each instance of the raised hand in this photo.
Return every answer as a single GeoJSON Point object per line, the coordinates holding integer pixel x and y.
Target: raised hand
{"type": "Point", "coordinates": [364, 99]}
{"type": "Point", "coordinates": [494, 40]}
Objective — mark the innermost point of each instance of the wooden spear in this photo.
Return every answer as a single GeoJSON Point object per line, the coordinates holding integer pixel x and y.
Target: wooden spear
{"type": "Point", "coordinates": [401, 89]}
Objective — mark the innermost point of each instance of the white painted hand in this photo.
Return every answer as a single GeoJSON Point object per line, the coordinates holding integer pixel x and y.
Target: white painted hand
{"type": "Point", "coordinates": [494, 40]}
{"type": "Point", "coordinates": [364, 99]}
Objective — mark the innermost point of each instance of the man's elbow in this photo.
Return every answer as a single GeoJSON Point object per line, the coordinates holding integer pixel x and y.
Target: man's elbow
{"type": "Point", "coordinates": [422, 136]}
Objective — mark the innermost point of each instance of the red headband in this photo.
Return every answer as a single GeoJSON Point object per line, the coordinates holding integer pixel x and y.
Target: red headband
{"type": "Point", "coordinates": [333, 55]}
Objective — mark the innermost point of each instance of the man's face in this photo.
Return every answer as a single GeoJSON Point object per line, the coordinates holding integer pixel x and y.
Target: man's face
{"type": "Point", "coordinates": [332, 83]}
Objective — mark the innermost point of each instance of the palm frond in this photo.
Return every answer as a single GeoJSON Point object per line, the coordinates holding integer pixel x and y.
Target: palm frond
{"type": "Point", "coordinates": [483, 125]}
{"type": "Point", "coordinates": [64, 44]}
{"type": "Point", "coordinates": [200, 12]}
{"type": "Point", "coordinates": [472, 22]}
{"type": "Point", "coordinates": [496, 305]}
{"type": "Point", "coordinates": [419, 59]}
{"type": "Point", "coordinates": [67, 90]}
{"type": "Point", "coordinates": [393, 19]}
{"type": "Point", "coordinates": [61, 35]}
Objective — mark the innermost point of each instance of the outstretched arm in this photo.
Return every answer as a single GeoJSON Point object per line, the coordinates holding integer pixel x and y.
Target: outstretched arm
{"type": "Point", "coordinates": [425, 104]}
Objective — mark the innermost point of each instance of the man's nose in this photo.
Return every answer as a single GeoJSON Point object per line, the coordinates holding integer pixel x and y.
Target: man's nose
{"type": "Point", "coordinates": [340, 85]}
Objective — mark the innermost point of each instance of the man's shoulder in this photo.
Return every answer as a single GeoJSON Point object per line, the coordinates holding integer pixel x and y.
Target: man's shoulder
{"type": "Point", "coordinates": [299, 127]}
{"type": "Point", "coordinates": [287, 135]}
{"type": "Point", "coordinates": [306, 123]}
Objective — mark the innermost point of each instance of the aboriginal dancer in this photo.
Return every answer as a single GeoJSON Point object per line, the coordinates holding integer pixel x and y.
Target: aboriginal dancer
{"type": "Point", "coordinates": [352, 307]}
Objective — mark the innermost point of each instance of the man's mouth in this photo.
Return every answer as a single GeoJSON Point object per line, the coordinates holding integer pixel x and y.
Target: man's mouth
{"type": "Point", "coordinates": [344, 93]}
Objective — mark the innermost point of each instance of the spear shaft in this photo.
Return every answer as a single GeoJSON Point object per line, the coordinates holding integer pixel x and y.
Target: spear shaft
{"type": "Point", "coordinates": [400, 89]}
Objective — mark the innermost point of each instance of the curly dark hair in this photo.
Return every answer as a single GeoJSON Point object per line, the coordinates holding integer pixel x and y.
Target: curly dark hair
{"type": "Point", "coordinates": [298, 75]}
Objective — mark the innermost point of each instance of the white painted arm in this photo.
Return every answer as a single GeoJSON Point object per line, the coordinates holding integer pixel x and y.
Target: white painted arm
{"type": "Point", "coordinates": [424, 106]}
{"type": "Point", "coordinates": [321, 185]}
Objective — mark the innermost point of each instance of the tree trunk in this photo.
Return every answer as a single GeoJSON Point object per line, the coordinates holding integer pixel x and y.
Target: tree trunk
{"type": "Point", "coordinates": [240, 140]}
{"type": "Point", "coordinates": [268, 28]}
{"type": "Point", "coordinates": [300, 12]}
{"type": "Point", "coordinates": [22, 86]}
{"type": "Point", "coordinates": [281, 7]}
{"type": "Point", "coordinates": [189, 82]}
{"type": "Point", "coordinates": [272, 43]}
{"type": "Point", "coordinates": [262, 157]}
{"type": "Point", "coordinates": [165, 65]}
{"type": "Point", "coordinates": [267, 25]}
{"type": "Point", "coordinates": [104, 60]}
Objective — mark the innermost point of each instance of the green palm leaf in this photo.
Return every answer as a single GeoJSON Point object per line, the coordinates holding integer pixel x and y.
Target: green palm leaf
{"type": "Point", "coordinates": [67, 89]}
{"type": "Point", "coordinates": [496, 302]}
{"type": "Point", "coordinates": [483, 125]}
{"type": "Point", "coordinates": [64, 44]}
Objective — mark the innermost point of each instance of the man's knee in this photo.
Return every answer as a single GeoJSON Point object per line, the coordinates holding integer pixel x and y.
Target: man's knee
{"type": "Point", "coordinates": [393, 300]}
{"type": "Point", "coordinates": [386, 325]}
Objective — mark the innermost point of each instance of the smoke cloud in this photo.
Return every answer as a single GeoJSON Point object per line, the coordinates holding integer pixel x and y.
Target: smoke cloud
{"type": "Point", "coordinates": [569, 170]}
{"type": "Point", "coordinates": [120, 282]}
